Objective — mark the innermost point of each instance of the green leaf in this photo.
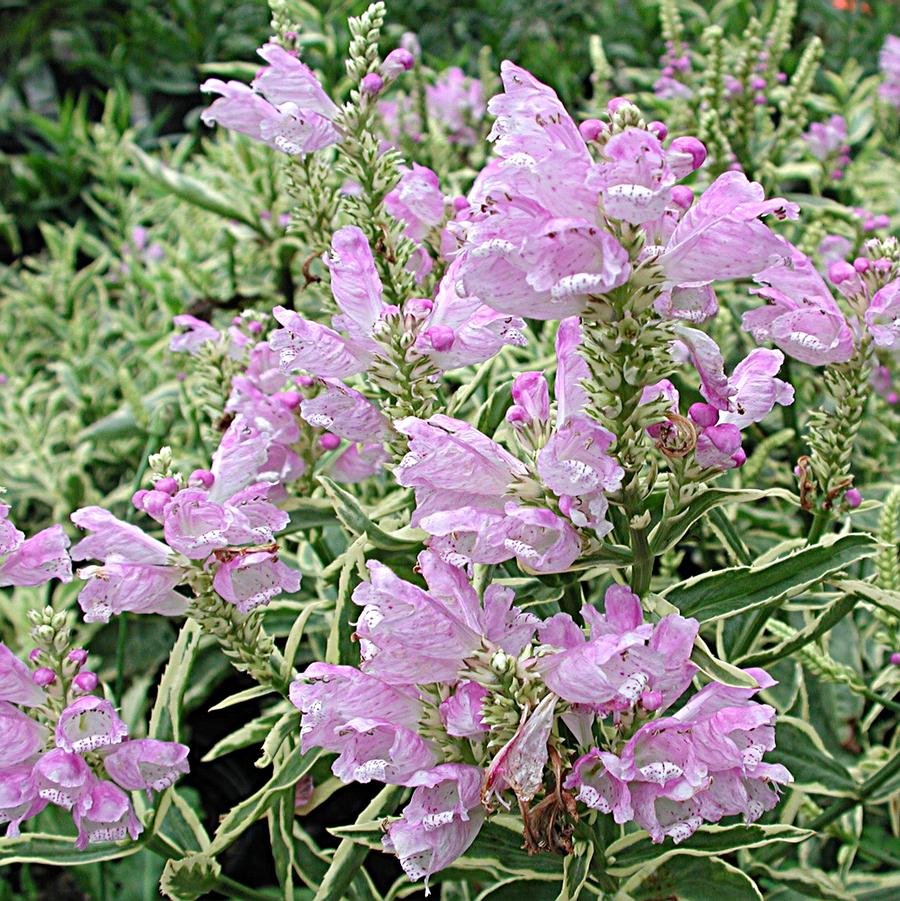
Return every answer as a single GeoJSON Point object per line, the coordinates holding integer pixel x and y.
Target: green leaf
{"type": "Point", "coordinates": [884, 598]}
{"type": "Point", "coordinates": [823, 623]}
{"type": "Point", "coordinates": [727, 592]}
{"type": "Point", "coordinates": [243, 815]}
{"type": "Point", "coordinates": [349, 856]}
{"type": "Point", "coordinates": [190, 878]}
{"type": "Point", "coordinates": [635, 851]}
{"type": "Point", "coordinates": [194, 191]}
{"type": "Point", "coordinates": [288, 724]}
{"type": "Point", "coordinates": [576, 869]}
{"type": "Point", "coordinates": [281, 823]}
{"type": "Point", "coordinates": [339, 648]}
{"type": "Point", "coordinates": [250, 733]}
{"type": "Point", "coordinates": [357, 521]}
{"type": "Point", "coordinates": [691, 879]}
{"type": "Point", "coordinates": [59, 850]}
{"type": "Point", "coordinates": [295, 637]}
{"type": "Point", "coordinates": [308, 513]}
{"type": "Point", "coordinates": [248, 694]}
{"type": "Point", "coordinates": [671, 529]}
{"type": "Point", "coordinates": [165, 719]}
{"type": "Point", "coordinates": [800, 749]}
{"type": "Point", "coordinates": [719, 670]}
{"type": "Point", "coordinates": [807, 882]}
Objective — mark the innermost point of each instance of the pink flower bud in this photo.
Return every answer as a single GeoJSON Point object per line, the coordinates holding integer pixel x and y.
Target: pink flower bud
{"type": "Point", "coordinates": [616, 103]}
{"type": "Point", "coordinates": [705, 415]}
{"type": "Point", "coordinates": [265, 215]}
{"type": "Point", "coordinates": [397, 62]}
{"type": "Point", "coordinates": [305, 381]}
{"type": "Point", "coordinates": [895, 658]}
{"type": "Point", "coordinates": [840, 271]}
{"type": "Point", "coordinates": [329, 442]}
{"type": "Point", "coordinates": [735, 167]}
{"type": "Point", "coordinates": [137, 499]}
{"type": "Point", "coordinates": [651, 700]}
{"type": "Point", "coordinates": [371, 83]}
{"type": "Point", "coordinates": [153, 503]}
{"type": "Point", "coordinates": [881, 221]}
{"type": "Point", "coordinates": [892, 398]}
{"type": "Point", "coordinates": [739, 457]}
{"type": "Point", "coordinates": [853, 498]}
{"type": "Point", "coordinates": [167, 485]}
{"type": "Point", "coordinates": [440, 337]}
{"type": "Point", "coordinates": [418, 308]}
{"type": "Point", "coordinates": [781, 77]}
{"type": "Point", "coordinates": [202, 477]}
{"type": "Point", "coordinates": [290, 400]}
{"type": "Point", "coordinates": [682, 196]}
{"type": "Point", "coordinates": [85, 681]}
{"type": "Point", "coordinates": [760, 99]}
{"type": "Point", "coordinates": [460, 203]}
{"type": "Point", "coordinates": [861, 264]}
{"type": "Point", "coordinates": [78, 656]}
{"type": "Point", "coordinates": [691, 146]}
{"type": "Point", "coordinates": [836, 174]}
{"type": "Point", "coordinates": [758, 84]}
{"type": "Point", "coordinates": [883, 265]}
{"type": "Point", "coordinates": [255, 328]}
{"type": "Point", "coordinates": [660, 129]}
{"type": "Point", "coordinates": [35, 654]}
{"type": "Point", "coordinates": [591, 129]}
{"type": "Point", "coordinates": [43, 676]}
{"type": "Point", "coordinates": [236, 321]}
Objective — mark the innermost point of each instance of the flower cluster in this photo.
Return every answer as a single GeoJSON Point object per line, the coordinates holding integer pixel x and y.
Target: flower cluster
{"type": "Point", "coordinates": [889, 61]}
{"type": "Point", "coordinates": [219, 530]}
{"type": "Point", "coordinates": [64, 746]}
{"type": "Point", "coordinates": [827, 142]}
{"type": "Point", "coordinates": [473, 701]}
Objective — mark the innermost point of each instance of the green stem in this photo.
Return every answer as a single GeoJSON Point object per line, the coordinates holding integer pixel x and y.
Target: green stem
{"type": "Point", "coordinates": [121, 641]}
{"type": "Point", "coordinates": [817, 528]}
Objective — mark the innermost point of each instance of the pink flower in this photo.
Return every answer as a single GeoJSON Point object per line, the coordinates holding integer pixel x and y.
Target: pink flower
{"type": "Point", "coordinates": [345, 412]}
{"type": "Point", "coordinates": [147, 764]}
{"type": "Point", "coordinates": [722, 236]}
{"type": "Point", "coordinates": [250, 579]}
{"type": "Point", "coordinates": [285, 107]}
{"type": "Point", "coordinates": [138, 588]}
{"type": "Point", "coordinates": [756, 390]}
{"type": "Point", "coordinates": [802, 318]}
{"type": "Point", "coordinates": [457, 103]}
{"type": "Point", "coordinates": [358, 462]}
{"type": "Point", "coordinates": [535, 245]}
{"type": "Point", "coordinates": [825, 139]}
{"type": "Point", "coordinates": [198, 332]}
{"type": "Point", "coordinates": [23, 738]}
{"type": "Point", "coordinates": [18, 798]}
{"type": "Point", "coordinates": [38, 559]}
{"type": "Point", "coordinates": [440, 822]}
{"type": "Point", "coordinates": [87, 724]}
{"type": "Point", "coordinates": [600, 785]}
{"type": "Point", "coordinates": [624, 657]}
{"type": "Point", "coordinates": [16, 684]}
{"type": "Point", "coordinates": [531, 400]}
{"type": "Point", "coordinates": [417, 200]}
{"type": "Point", "coordinates": [62, 777]}
{"type": "Point", "coordinates": [105, 815]}
{"type": "Point", "coordinates": [719, 447]}
{"type": "Point", "coordinates": [883, 315]}
{"type": "Point", "coordinates": [461, 712]}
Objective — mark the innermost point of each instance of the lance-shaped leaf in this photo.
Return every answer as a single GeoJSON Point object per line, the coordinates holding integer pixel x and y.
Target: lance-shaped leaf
{"type": "Point", "coordinates": [340, 649]}
{"type": "Point", "coordinates": [576, 869]}
{"type": "Point", "coordinates": [350, 854]}
{"type": "Point", "coordinates": [807, 882]}
{"type": "Point", "coordinates": [727, 592]}
{"type": "Point", "coordinates": [691, 879]}
{"type": "Point", "coordinates": [671, 529]}
{"type": "Point", "coordinates": [635, 851]}
{"type": "Point", "coordinates": [823, 623]}
{"type": "Point", "coordinates": [357, 521]}
{"type": "Point", "coordinates": [165, 720]}
{"type": "Point", "coordinates": [59, 850]}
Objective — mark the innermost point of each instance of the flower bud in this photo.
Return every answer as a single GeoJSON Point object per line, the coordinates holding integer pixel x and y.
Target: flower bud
{"type": "Point", "coordinates": [78, 656]}
{"type": "Point", "coordinates": [460, 203]}
{"type": "Point", "coordinates": [861, 264]}
{"type": "Point", "coordinates": [43, 676]}
{"type": "Point", "coordinates": [840, 271]}
{"type": "Point", "coordinates": [682, 196]}
{"type": "Point", "coordinates": [616, 103]}
{"type": "Point", "coordinates": [895, 658]}
{"type": "Point", "coordinates": [660, 129]}
{"type": "Point", "coordinates": [440, 337]}
{"type": "Point", "coordinates": [35, 654]}
{"type": "Point", "coordinates": [739, 457]}
{"type": "Point", "coordinates": [651, 700]}
{"type": "Point", "coordinates": [418, 308]}
{"type": "Point", "coordinates": [397, 62]}
{"type": "Point", "coordinates": [853, 498]}
{"type": "Point", "coordinates": [591, 129]}
{"type": "Point", "coordinates": [329, 442]}
{"type": "Point", "coordinates": [85, 681]}
{"type": "Point", "coordinates": [371, 83]}
{"type": "Point", "coordinates": [304, 381]}
{"type": "Point", "coordinates": [202, 477]}
{"type": "Point", "coordinates": [137, 499]}
{"type": "Point", "coordinates": [290, 400]}
{"type": "Point", "coordinates": [167, 485]}
{"type": "Point", "coordinates": [692, 147]}
{"type": "Point", "coordinates": [705, 415]}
